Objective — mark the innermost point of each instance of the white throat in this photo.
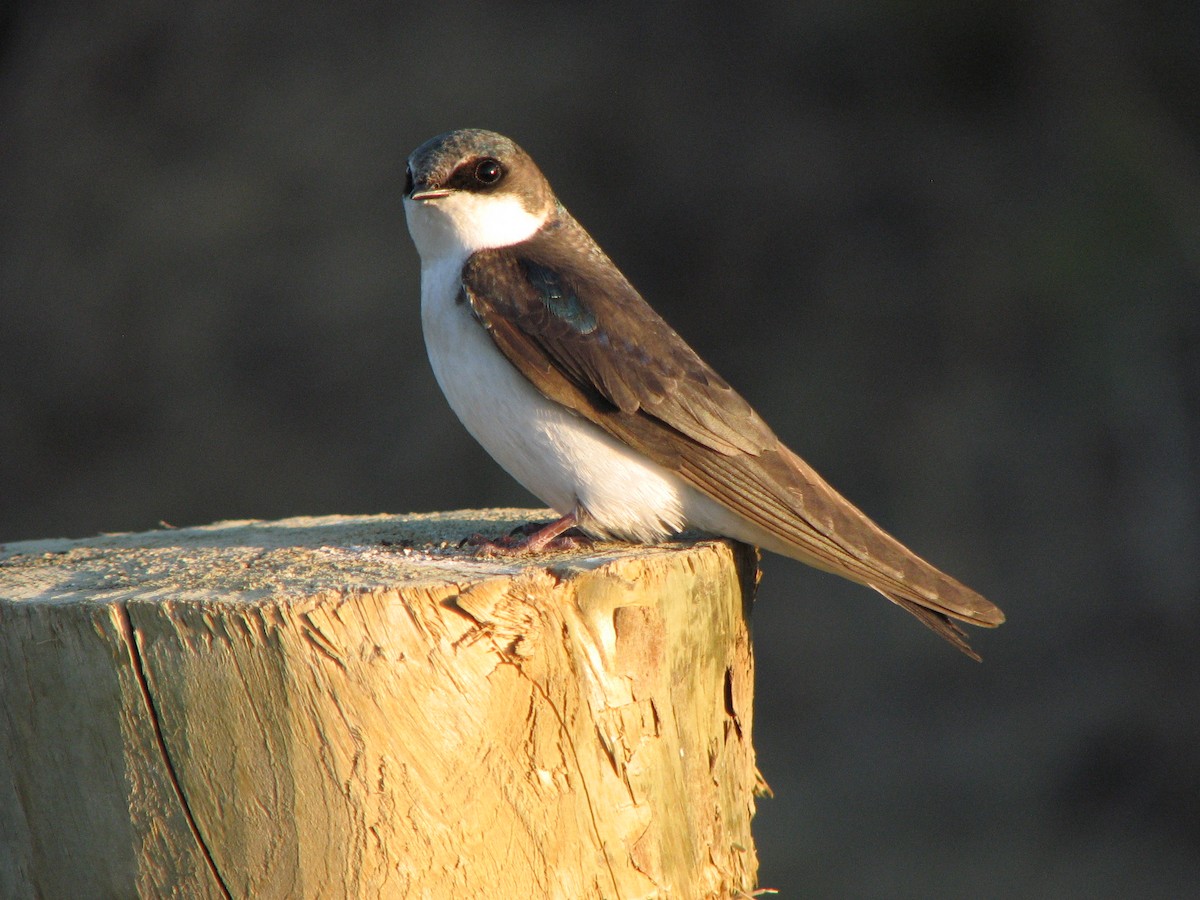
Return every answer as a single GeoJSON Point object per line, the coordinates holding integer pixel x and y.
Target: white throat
{"type": "Point", "coordinates": [461, 223]}
{"type": "Point", "coordinates": [559, 456]}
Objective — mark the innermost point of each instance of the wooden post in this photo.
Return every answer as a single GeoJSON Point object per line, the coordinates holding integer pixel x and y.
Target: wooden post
{"type": "Point", "coordinates": [354, 707]}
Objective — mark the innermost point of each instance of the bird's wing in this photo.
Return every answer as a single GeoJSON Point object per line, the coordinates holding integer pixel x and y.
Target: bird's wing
{"type": "Point", "coordinates": [590, 323]}
{"type": "Point", "coordinates": [565, 317]}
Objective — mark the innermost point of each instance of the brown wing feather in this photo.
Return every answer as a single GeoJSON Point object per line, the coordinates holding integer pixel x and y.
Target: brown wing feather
{"type": "Point", "coordinates": [631, 357]}
{"type": "Point", "coordinates": [657, 395]}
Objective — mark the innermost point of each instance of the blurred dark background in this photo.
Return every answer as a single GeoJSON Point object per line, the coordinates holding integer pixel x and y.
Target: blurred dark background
{"type": "Point", "coordinates": [951, 251]}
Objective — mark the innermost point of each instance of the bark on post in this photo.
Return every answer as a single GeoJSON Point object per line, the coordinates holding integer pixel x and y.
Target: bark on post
{"type": "Point", "coordinates": [353, 707]}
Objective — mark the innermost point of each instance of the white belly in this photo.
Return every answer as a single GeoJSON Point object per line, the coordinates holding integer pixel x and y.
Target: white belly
{"type": "Point", "coordinates": [564, 460]}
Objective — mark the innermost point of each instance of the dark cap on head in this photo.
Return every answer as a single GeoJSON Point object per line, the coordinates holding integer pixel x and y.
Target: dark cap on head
{"type": "Point", "coordinates": [478, 161]}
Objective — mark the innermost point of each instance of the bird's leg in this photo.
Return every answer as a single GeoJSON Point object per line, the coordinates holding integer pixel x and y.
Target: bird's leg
{"type": "Point", "coordinates": [531, 538]}
{"type": "Point", "coordinates": [551, 532]}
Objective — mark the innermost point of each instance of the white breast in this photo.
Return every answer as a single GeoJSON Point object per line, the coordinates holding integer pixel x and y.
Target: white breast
{"type": "Point", "coordinates": [566, 461]}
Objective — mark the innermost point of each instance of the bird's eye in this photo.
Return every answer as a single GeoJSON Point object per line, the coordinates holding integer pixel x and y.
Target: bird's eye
{"type": "Point", "coordinates": [408, 181]}
{"type": "Point", "coordinates": [488, 171]}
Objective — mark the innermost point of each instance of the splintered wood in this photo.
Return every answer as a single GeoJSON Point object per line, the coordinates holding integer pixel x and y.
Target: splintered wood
{"type": "Point", "coordinates": [355, 707]}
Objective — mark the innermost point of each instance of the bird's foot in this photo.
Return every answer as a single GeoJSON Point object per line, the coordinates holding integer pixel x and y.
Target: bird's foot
{"type": "Point", "coordinates": [561, 534]}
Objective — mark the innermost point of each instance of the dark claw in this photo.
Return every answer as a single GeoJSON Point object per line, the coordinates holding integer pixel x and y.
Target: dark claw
{"type": "Point", "coordinates": [522, 540]}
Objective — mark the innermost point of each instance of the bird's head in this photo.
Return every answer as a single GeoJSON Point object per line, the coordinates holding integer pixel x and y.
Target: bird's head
{"type": "Point", "coordinates": [472, 190]}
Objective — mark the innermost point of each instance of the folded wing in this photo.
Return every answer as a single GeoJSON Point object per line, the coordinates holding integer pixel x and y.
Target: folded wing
{"type": "Point", "coordinates": [588, 341]}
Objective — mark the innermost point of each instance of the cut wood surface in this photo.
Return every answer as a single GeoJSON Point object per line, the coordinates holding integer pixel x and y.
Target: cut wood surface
{"type": "Point", "coordinates": [357, 707]}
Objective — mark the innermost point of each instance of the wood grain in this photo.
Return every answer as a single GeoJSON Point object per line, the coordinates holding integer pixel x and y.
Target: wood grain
{"type": "Point", "coordinates": [355, 706]}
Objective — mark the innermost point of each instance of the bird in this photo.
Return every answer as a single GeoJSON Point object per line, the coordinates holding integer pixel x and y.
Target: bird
{"type": "Point", "coordinates": [568, 378]}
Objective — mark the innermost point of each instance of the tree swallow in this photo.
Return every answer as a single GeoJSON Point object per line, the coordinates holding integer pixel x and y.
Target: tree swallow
{"type": "Point", "coordinates": [586, 396]}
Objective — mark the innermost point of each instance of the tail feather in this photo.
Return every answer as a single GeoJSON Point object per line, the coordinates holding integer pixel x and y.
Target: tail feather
{"type": "Point", "coordinates": [941, 625]}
